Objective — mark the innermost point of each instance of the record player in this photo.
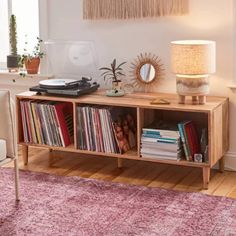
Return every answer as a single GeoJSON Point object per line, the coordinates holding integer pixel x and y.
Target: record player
{"type": "Point", "coordinates": [78, 58]}
{"type": "Point", "coordinates": [66, 87]}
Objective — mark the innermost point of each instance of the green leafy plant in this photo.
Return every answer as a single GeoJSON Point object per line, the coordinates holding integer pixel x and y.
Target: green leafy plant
{"type": "Point", "coordinates": [114, 72]}
{"type": "Point", "coordinates": [13, 35]}
{"type": "Point", "coordinates": [36, 53]}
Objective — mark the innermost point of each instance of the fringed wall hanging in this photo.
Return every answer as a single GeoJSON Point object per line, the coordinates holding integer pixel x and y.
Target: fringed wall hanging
{"type": "Point", "coordinates": [126, 9]}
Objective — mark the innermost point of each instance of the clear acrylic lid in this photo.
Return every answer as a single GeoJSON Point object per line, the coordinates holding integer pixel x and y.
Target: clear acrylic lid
{"type": "Point", "coordinates": [71, 59]}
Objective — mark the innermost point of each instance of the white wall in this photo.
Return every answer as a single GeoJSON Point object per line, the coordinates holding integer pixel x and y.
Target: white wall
{"type": "Point", "coordinates": [125, 39]}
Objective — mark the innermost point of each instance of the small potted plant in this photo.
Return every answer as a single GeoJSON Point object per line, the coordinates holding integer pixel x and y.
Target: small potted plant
{"type": "Point", "coordinates": [32, 60]}
{"type": "Point", "coordinates": [114, 73]}
{"type": "Point", "coordinates": [13, 59]}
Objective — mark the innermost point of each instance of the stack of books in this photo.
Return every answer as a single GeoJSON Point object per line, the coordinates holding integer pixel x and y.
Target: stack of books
{"type": "Point", "coordinates": [95, 130]}
{"type": "Point", "coordinates": [48, 123]}
{"type": "Point", "coordinates": [190, 140]}
{"type": "Point", "coordinates": [161, 143]}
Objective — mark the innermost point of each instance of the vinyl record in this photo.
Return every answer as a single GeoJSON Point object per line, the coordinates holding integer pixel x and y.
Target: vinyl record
{"type": "Point", "coordinates": [56, 83]}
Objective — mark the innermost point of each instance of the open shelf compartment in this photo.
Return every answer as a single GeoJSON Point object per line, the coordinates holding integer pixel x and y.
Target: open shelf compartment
{"type": "Point", "coordinates": [45, 123]}
{"type": "Point", "coordinates": [106, 130]}
{"type": "Point", "coordinates": [148, 116]}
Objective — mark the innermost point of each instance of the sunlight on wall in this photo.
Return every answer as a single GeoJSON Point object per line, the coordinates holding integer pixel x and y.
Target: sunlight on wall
{"type": "Point", "coordinates": [27, 22]}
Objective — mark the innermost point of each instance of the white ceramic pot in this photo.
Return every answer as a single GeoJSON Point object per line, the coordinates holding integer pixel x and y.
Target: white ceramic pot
{"type": "Point", "coordinates": [117, 85]}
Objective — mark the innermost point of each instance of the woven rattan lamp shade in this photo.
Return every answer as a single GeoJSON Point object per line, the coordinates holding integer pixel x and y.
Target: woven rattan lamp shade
{"type": "Point", "coordinates": [193, 57]}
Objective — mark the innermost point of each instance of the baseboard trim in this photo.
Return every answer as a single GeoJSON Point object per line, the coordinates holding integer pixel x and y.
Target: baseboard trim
{"type": "Point", "coordinates": [230, 161]}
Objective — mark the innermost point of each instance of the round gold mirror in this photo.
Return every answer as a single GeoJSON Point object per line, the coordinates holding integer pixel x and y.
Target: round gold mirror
{"type": "Point", "coordinates": [147, 70]}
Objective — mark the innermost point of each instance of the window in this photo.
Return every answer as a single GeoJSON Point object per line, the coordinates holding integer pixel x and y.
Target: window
{"type": "Point", "coordinates": [27, 24]}
{"type": "Point", "coordinates": [4, 45]}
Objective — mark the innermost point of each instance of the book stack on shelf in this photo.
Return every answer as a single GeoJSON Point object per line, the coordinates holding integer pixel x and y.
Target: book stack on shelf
{"type": "Point", "coordinates": [47, 123]}
{"type": "Point", "coordinates": [190, 140]}
{"type": "Point", "coordinates": [161, 142]}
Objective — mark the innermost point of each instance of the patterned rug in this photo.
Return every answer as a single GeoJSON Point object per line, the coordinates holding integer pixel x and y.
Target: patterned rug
{"type": "Point", "coordinates": [56, 205]}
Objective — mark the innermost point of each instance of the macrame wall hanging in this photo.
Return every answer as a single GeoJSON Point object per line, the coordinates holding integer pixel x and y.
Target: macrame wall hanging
{"type": "Point", "coordinates": [126, 9]}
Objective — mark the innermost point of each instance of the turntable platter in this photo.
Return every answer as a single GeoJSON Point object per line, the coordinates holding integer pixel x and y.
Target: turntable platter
{"type": "Point", "coordinates": [56, 82]}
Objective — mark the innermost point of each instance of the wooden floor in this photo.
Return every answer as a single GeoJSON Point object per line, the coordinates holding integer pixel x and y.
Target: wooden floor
{"type": "Point", "coordinates": [133, 172]}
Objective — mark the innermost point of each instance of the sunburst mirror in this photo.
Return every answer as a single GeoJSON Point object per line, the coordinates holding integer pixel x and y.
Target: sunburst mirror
{"type": "Point", "coordinates": [146, 71]}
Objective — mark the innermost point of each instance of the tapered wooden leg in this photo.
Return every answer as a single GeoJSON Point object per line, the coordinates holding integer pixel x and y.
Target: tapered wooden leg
{"type": "Point", "coordinates": [194, 100]}
{"type": "Point", "coordinates": [202, 100]}
{"type": "Point", "coordinates": [25, 154]}
{"type": "Point", "coordinates": [16, 168]}
{"type": "Point", "coordinates": [222, 164]}
{"type": "Point", "coordinates": [206, 171]}
{"type": "Point", "coordinates": [120, 162]}
{"type": "Point", "coordinates": [181, 99]}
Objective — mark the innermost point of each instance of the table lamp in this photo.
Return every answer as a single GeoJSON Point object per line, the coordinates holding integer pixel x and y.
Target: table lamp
{"type": "Point", "coordinates": [193, 61]}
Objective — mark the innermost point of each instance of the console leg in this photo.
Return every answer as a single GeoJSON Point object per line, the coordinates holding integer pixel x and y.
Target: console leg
{"type": "Point", "coordinates": [202, 100]}
{"type": "Point", "coordinates": [194, 100]}
{"type": "Point", "coordinates": [120, 162]}
{"type": "Point", "coordinates": [206, 171]}
{"type": "Point", "coordinates": [25, 154]}
{"type": "Point", "coordinates": [222, 164]}
{"type": "Point", "coordinates": [181, 99]}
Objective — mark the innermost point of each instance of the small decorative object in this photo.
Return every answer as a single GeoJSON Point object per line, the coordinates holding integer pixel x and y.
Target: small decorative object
{"type": "Point", "coordinates": [115, 93]}
{"type": "Point", "coordinates": [32, 60]}
{"type": "Point", "coordinates": [126, 132]}
{"type": "Point", "coordinates": [206, 159]}
{"type": "Point", "coordinates": [146, 71]}
{"type": "Point", "coordinates": [13, 59]}
{"type": "Point", "coordinates": [204, 144]}
{"type": "Point", "coordinates": [122, 140]}
{"type": "Point", "coordinates": [126, 9]}
{"type": "Point", "coordinates": [198, 157]}
{"type": "Point", "coordinates": [131, 132]}
{"type": "Point", "coordinates": [113, 74]}
{"type": "Point", "coordinates": [159, 101]}
{"type": "Point", "coordinates": [192, 62]}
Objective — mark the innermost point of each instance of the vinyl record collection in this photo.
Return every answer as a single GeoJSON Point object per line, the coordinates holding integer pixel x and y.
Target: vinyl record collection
{"type": "Point", "coordinates": [95, 130]}
{"type": "Point", "coordinates": [48, 123]}
{"type": "Point", "coordinates": [109, 130]}
{"type": "Point", "coordinates": [105, 129]}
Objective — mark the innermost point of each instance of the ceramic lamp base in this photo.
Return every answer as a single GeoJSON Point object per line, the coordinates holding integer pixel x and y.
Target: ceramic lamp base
{"type": "Point", "coordinates": [195, 86]}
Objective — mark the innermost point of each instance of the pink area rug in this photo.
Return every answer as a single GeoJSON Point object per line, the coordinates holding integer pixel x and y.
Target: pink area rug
{"type": "Point", "coordinates": [54, 205]}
